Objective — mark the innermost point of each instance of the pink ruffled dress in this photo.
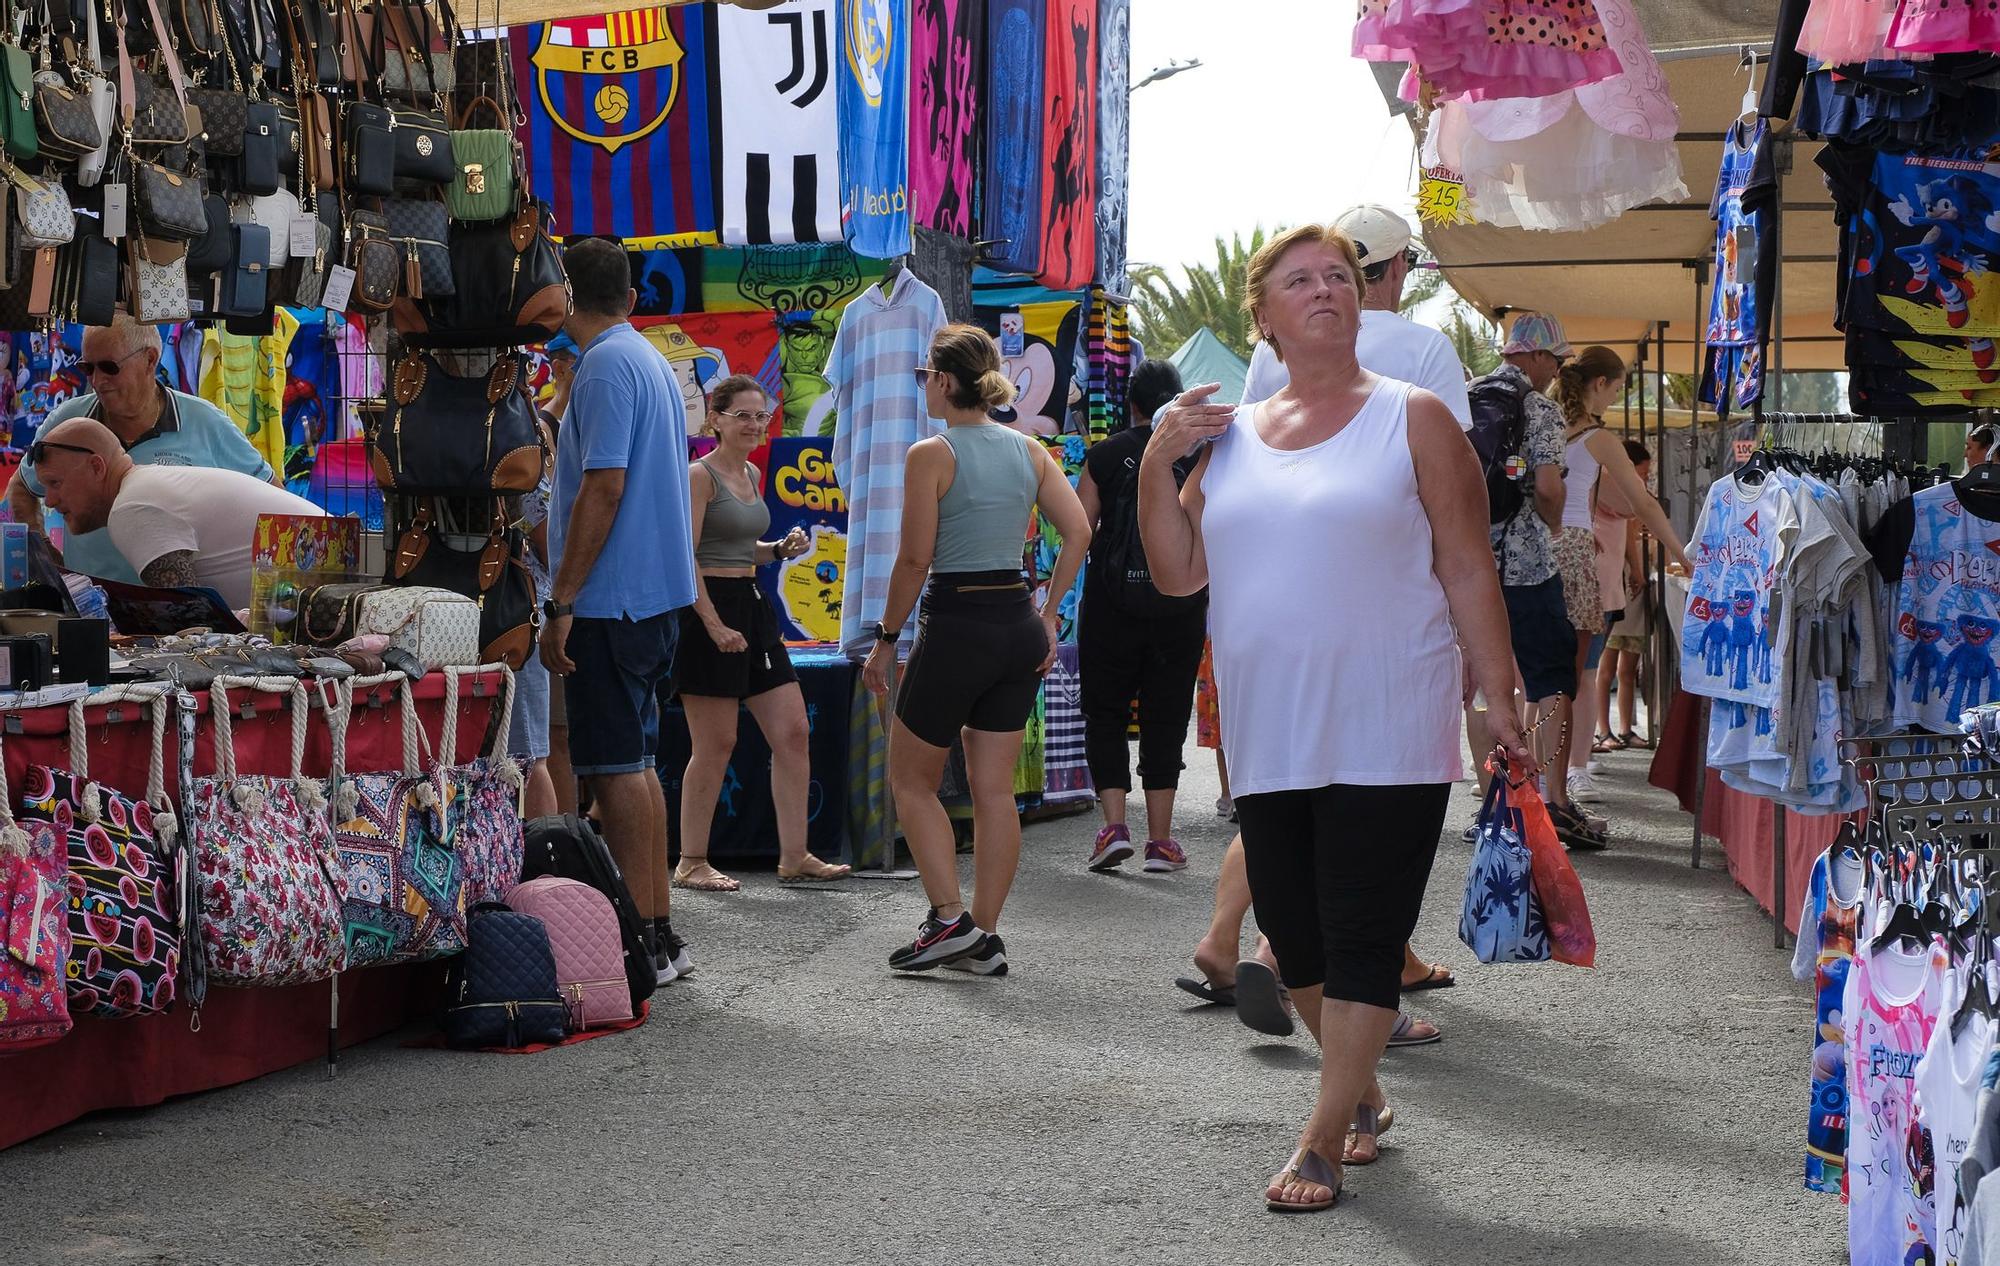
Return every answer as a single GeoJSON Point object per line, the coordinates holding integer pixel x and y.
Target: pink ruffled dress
{"type": "Point", "coordinates": [1945, 26]}
{"type": "Point", "coordinates": [1844, 31]}
{"type": "Point", "coordinates": [1482, 50]}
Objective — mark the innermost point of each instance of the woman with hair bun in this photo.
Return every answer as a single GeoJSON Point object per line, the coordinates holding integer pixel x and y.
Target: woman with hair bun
{"type": "Point", "coordinates": [969, 499]}
{"type": "Point", "coordinates": [1584, 388]}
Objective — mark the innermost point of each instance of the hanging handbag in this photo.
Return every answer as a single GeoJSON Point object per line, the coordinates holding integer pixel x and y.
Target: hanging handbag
{"type": "Point", "coordinates": [509, 288]}
{"type": "Point", "coordinates": [126, 877]}
{"type": "Point", "coordinates": [245, 289]}
{"type": "Point", "coordinates": [313, 28]}
{"type": "Point", "coordinates": [415, 53]}
{"type": "Point", "coordinates": [65, 119]}
{"type": "Point", "coordinates": [196, 24]}
{"type": "Point", "coordinates": [265, 162]}
{"type": "Point", "coordinates": [210, 253]}
{"type": "Point", "coordinates": [29, 303]}
{"type": "Point", "coordinates": [316, 138]}
{"type": "Point", "coordinates": [502, 991]}
{"type": "Point", "coordinates": [405, 886]}
{"type": "Point", "coordinates": [42, 211]}
{"type": "Point", "coordinates": [168, 203]}
{"type": "Point", "coordinates": [423, 147]}
{"type": "Point", "coordinates": [102, 95]}
{"type": "Point", "coordinates": [153, 105]}
{"type": "Point", "coordinates": [423, 229]}
{"type": "Point", "coordinates": [271, 897]}
{"type": "Point", "coordinates": [483, 182]}
{"type": "Point", "coordinates": [304, 280]}
{"type": "Point", "coordinates": [87, 281]}
{"type": "Point", "coordinates": [34, 931]}
{"type": "Point", "coordinates": [17, 111]}
{"type": "Point", "coordinates": [370, 149]}
{"type": "Point", "coordinates": [454, 436]}
{"type": "Point", "coordinates": [275, 212]}
{"type": "Point", "coordinates": [477, 800]}
{"type": "Point", "coordinates": [225, 119]}
{"type": "Point", "coordinates": [375, 260]}
{"type": "Point", "coordinates": [156, 287]}
{"type": "Point", "coordinates": [251, 27]}
{"type": "Point", "coordinates": [491, 567]}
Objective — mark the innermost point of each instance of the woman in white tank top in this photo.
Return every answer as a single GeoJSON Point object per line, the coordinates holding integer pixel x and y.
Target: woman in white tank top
{"type": "Point", "coordinates": [1340, 529]}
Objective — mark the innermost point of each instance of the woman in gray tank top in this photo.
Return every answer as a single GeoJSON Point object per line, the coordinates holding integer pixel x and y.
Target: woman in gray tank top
{"type": "Point", "coordinates": [730, 650]}
{"type": "Point", "coordinates": [969, 498]}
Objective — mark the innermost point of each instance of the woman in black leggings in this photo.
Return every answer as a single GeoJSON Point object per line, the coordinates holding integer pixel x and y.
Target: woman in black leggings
{"type": "Point", "coordinates": [1133, 642]}
{"type": "Point", "coordinates": [969, 497]}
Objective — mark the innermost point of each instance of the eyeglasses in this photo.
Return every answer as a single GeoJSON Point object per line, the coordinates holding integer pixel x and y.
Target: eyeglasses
{"type": "Point", "coordinates": [760, 417]}
{"type": "Point", "coordinates": [922, 374]}
{"type": "Point", "coordinates": [109, 368]}
{"type": "Point", "coordinates": [39, 450]}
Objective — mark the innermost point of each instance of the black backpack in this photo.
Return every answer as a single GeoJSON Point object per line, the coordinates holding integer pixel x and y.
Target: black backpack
{"type": "Point", "coordinates": [568, 847]}
{"type": "Point", "coordinates": [1499, 424]}
{"type": "Point", "coordinates": [1119, 554]}
{"type": "Point", "coordinates": [502, 991]}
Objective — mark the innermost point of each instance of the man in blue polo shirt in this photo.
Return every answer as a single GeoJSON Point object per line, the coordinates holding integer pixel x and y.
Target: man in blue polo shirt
{"type": "Point", "coordinates": [624, 552]}
{"type": "Point", "coordinates": [158, 426]}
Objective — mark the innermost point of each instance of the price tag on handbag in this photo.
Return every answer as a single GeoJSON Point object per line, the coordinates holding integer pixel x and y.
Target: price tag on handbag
{"type": "Point", "coordinates": [339, 285]}
{"type": "Point", "coordinates": [114, 211]}
{"type": "Point", "coordinates": [305, 237]}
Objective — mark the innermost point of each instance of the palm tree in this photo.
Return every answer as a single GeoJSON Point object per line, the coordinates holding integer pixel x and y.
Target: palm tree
{"type": "Point", "coordinates": [1167, 314]}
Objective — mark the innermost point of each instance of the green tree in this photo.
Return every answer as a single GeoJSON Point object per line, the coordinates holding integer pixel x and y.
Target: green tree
{"type": "Point", "coordinates": [1167, 313]}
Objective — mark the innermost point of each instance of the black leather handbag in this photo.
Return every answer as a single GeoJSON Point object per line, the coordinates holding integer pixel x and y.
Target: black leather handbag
{"type": "Point", "coordinates": [264, 163]}
{"type": "Point", "coordinates": [195, 26]}
{"type": "Point", "coordinates": [452, 436]}
{"type": "Point", "coordinates": [87, 282]}
{"type": "Point", "coordinates": [432, 552]}
{"type": "Point", "coordinates": [169, 203]}
{"type": "Point", "coordinates": [376, 261]}
{"type": "Point", "coordinates": [423, 148]}
{"type": "Point", "coordinates": [423, 229]}
{"type": "Point", "coordinates": [312, 26]}
{"type": "Point", "coordinates": [502, 991]}
{"type": "Point", "coordinates": [369, 165]}
{"type": "Point", "coordinates": [209, 254]}
{"type": "Point", "coordinates": [245, 289]}
{"type": "Point", "coordinates": [508, 287]}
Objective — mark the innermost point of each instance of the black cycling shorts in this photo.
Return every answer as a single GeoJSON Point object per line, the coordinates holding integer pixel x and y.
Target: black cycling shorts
{"type": "Point", "coordinates": [978, 659]}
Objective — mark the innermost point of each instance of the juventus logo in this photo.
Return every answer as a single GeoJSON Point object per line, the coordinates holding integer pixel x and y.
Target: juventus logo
{"type": "Point", "coordinates": [797, 74]}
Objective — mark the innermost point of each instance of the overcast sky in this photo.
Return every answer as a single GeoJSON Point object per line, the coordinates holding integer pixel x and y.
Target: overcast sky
{"type": "Point", "coordinates": [1280, 125]}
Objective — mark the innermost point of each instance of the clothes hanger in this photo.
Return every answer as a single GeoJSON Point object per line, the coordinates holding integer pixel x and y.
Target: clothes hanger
{"type": "Point", "coordinates": [891, 274]}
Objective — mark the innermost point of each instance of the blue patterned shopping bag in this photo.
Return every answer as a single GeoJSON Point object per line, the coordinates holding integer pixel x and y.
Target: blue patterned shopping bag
{"type": "Point", "coordinates": [1502, 921]}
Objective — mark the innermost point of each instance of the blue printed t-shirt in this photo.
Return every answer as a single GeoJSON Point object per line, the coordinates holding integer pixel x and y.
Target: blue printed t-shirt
{"type": "Point", "coordinates": [626, 413]}
{"type": "Point", "coordinates": [190, 432]}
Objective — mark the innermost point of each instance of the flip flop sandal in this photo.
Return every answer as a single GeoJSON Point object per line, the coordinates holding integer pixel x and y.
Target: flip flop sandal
{"type": "Point", "coordinates": [1439, 977]}
{"type": "Point", "coordinates": [1371, 1124]}
{"type": "Point", "coordinates": [1261, 1002]}
{"type": "Point", "coordinates": [1405, 1032]}
{"type": "Point", "coordinates": [1574, 830]}
{"type": "Point", "coordinates": [1219, 995]}
{"type": "Point", "coordinates": [1306, 1166]}
{"type": "Point", "coordinates": [713, 881]}
{"type": "Point", "coordinates": [823, 873]}
{"type": "Point", "coordinates": [1608, 743]}
{"type": "Point", "coordinates": [1633, 740]}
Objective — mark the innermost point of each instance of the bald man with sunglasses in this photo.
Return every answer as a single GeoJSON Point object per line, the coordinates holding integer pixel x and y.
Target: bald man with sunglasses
{"type": "Point", "coordinates": [157, 426]}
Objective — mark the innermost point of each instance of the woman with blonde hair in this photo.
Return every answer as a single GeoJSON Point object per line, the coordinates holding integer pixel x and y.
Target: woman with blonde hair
{"type": "Point", "coordinates": [1584, 388]}
{"type": "Point", "coordinates": [730, 650]}
{"type": "Point", "coordinates": [969, 497]}
{"type": "Point", "coordinates": [1340, 528]}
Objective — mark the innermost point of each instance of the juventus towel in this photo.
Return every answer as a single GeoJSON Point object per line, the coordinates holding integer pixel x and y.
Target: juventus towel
{"type": "Point", "coordinates": [780, 136]}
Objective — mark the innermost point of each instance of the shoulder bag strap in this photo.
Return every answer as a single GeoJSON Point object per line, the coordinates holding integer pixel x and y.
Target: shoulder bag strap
{"type": "Point", "coordinates": [167, 52]}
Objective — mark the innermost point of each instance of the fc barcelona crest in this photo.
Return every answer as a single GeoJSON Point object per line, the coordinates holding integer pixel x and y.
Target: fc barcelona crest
{"type": "Point", "coordinates": [609, 80]}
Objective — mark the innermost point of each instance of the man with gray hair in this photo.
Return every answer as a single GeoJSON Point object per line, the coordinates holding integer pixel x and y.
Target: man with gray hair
{"type": "Point", "coordinates": [157, 425]}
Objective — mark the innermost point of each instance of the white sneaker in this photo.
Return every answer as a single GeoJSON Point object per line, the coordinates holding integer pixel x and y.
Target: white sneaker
{"type": "Point", "coordinates": [1594, 766]}
{"type": "Point", "coordinates": [1582, 786]}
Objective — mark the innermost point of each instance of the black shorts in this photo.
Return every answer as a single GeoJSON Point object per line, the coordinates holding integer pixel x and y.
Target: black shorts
{"type": "Point", "coordinates": [1544, 639]}
{"type": "Point", "coordinates": [978, 659]}
{"type": "Point", "coordinates": [619, 667]}
{"type": "Point", "coordinates": [701, 669]}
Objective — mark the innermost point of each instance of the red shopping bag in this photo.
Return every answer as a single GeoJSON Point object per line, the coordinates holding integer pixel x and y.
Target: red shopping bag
{"type": "Point", "coordinates": [1571, 939]}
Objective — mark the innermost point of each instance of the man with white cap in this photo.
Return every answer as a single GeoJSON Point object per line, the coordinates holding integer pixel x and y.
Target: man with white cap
{"type": "Point", "coordinates": [1388, 344]}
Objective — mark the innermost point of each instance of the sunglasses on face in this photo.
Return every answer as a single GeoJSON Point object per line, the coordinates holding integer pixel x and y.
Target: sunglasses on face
{"type": "Point", "coordinates": [39, 450]}
{"type": "Point", "coordinates": [109, 368]}
{"type": "Point", "coordinates": [922, 374]}
{"type": "Point", "coordinates": [760, 416]}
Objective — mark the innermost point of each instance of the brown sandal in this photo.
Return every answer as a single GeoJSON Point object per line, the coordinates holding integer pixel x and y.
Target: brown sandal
{"type": "Point", "coordinates": [696, 875]}
{"type": "Point", "coordinates": [814, 871]}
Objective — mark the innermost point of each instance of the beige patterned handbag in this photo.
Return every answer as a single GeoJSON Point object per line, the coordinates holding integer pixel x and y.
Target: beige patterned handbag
{"type": "Point", "coordinates": [158, 280]}
{"type": "Point", "coordinates": [45, 215]}
{"type": "Point", "coordinates": [438, 626]}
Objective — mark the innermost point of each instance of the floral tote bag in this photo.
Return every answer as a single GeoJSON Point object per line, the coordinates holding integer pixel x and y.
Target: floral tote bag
{"type": "Point", "coordinates": [271, 895]}
{"type": "Point", "coordinates": [480, 801]}
{"type": "Point", "coordinates": [405, 894]}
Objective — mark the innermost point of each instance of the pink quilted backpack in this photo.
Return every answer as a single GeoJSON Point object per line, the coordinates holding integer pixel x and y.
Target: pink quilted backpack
{"type": "Point", "coordinates": [590, 954]}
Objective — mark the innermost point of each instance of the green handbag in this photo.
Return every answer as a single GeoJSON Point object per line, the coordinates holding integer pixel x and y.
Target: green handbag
{"type": "Point", "coordinates": [17, 112]}
{"type": "Point", "coordinates": [486, 183]}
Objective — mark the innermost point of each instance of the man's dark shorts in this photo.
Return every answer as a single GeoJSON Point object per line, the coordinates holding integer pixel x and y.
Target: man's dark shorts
{"type": "Point", "coordinates": [1544, 639]}
{"type": "Point", "coordinates": [612, 697]}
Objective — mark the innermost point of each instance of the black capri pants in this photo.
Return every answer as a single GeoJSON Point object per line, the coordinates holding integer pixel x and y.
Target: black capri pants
{"type": "Point", "coordinates": [1337, 875]}
{"type": "Point", "coordinates": [1123, 655]}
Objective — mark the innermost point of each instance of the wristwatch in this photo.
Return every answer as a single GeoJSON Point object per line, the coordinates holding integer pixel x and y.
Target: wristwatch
{"type": "Point", "coordinates": [553, 610]}
{"type": "Point", "coordinates": [883, 634]}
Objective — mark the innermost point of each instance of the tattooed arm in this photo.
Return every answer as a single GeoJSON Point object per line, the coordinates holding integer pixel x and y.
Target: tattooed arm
{"type": "Point", "coordinates": [170, 571]}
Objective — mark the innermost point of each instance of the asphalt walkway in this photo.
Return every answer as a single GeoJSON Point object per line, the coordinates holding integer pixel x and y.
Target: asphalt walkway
{"type": "Point", "coordinates": [795, 1102]}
